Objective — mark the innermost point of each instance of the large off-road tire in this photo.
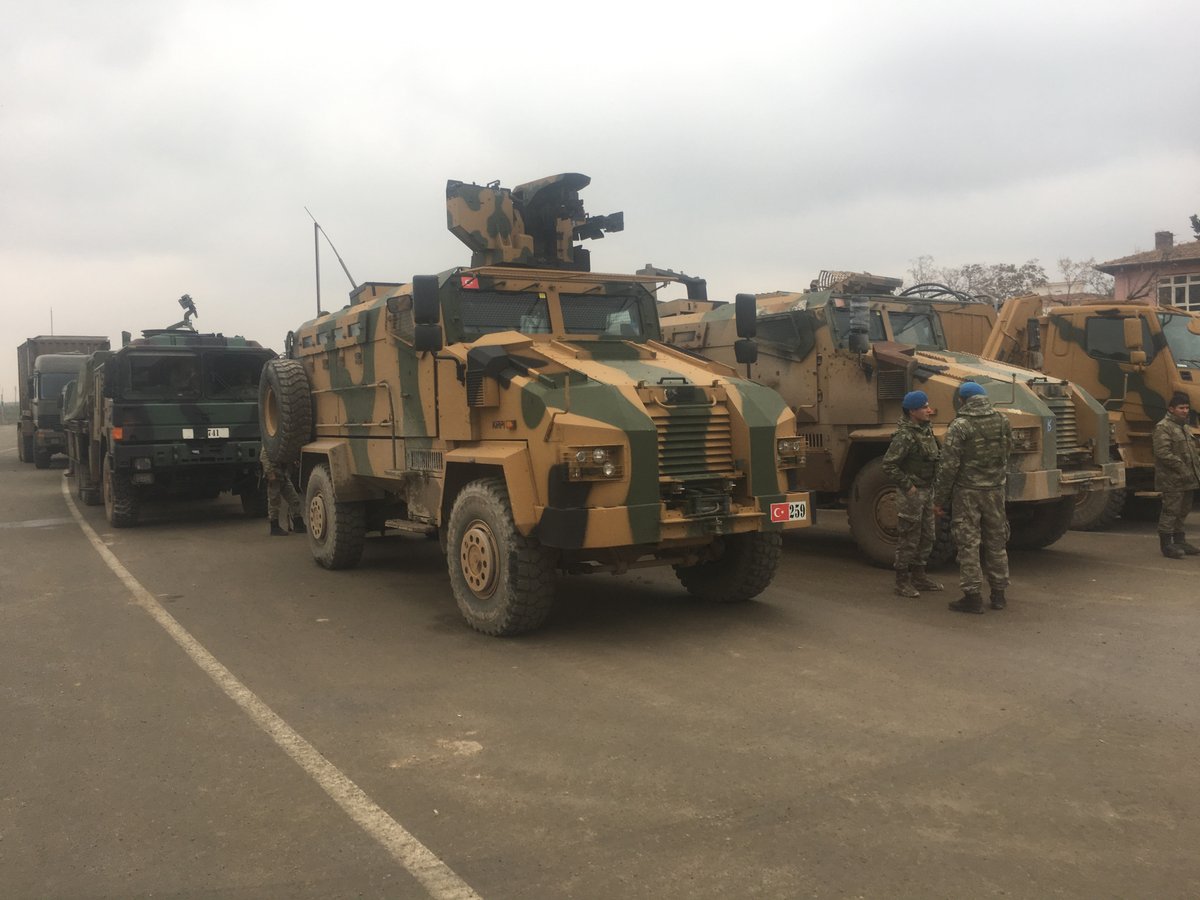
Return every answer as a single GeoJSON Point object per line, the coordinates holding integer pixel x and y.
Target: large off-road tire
{"type": "Point", "coordinates": [41, 459]}
{"type": "Point", "coordinates": [1034, 526]}
{"type": "Point", "coordinates": [25, 446]}
{"type": "Point", "coordinates": [503, 581]}
{"type": "Point", "coordinates": [745, 566]}
{"type": "Point", "coordinates": [120, 498]}
{"type": "Point", "coordinates": [875, 524]}
{"type": "Point", "coordinates": [90, 494]}
{"type": "Point", "coordinates": [337, 529]}
{"type": "Point", "coordinates": [1097, 510]}
{"type": "Point", "coordinates": [284, 409]}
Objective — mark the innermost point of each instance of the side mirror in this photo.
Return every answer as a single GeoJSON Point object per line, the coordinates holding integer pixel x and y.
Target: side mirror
{"type": "Point", "coordinates": [426, 309]}
{"type": "Point", "coordinates": [1133, 336]}
{"type": "Point", "coordinates": [427, 338]}
{"type": "Point", "coordinates": [746, 311]}
{"type": "Point", "coordinates": [1033, 336]}
{"type": "Point", "coordinates": [745, 351]}
{"type": "Point", "coordinates": [1137, 357]}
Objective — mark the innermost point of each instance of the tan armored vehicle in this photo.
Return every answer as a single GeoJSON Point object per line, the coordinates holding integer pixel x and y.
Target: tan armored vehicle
{"type": "Point", "coordinates": [1130, 357]}
{"type": "Point", "coordinates": [525, 411]}
{"type": "Point", "coordinates": [844, 353]}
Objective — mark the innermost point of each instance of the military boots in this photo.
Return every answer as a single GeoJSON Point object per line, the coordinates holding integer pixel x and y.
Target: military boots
{"type": "Point", "coordinates": [923, 582]}
{"type": "Point", "coordinates": [904, 584]}
{"type": "Point", "coordinates": [1182, 544]}
{"type": "Point", "coordinates": [276, 531]}
{"type": "Point", "coordinates": [1170, 550]}
{"type": "Point", "coordinates": [999, 601]}
{"type": "Point", "coordinates": [969, 602]}
{"type": "Point", "coordinates": [298, 524]}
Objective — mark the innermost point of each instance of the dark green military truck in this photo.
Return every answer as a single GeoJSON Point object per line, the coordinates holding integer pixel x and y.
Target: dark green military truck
{"type": "Point", "coordinates": [44, 364]}
{"type": "Point", "coordinates": [173, 414]}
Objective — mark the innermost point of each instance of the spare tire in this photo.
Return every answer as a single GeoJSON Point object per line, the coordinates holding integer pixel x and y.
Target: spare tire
{"type": "Point", "coordinates": [284, 409]}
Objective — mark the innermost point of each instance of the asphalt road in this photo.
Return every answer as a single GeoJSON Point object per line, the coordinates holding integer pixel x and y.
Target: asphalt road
{"type": "Point", "coordinates": [828, 740]}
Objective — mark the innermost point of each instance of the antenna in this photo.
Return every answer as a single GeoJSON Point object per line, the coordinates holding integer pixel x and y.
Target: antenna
{"type": "Point", "coordinates": [317, 231]}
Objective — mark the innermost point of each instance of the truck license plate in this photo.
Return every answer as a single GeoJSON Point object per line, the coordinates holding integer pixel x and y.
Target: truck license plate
{"type": "Point", "coordinates": [189, 434]}
{"type": "Point", "coordinates": [796, 511]}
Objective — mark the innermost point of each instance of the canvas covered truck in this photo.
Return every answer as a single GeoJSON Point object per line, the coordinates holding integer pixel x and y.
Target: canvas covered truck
{"type": "Point", "coordinates": [173, 414]}
{"type": "Point", "coordinates": [844, 353]}
{"type": "Point", "coordinates": [44, 365]}
{"type": "Point", "coordinates": [1130, 357]}
{"type": "Point", "coordinates": [525, 411]}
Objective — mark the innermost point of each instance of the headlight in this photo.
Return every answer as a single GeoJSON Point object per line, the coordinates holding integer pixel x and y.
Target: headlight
{"type": "Point", "coordinates": [593, 463]}
{"type": "Point", "coordinates": [142, 463]}
{"type": "Point", "coordinates": [1025, 440]}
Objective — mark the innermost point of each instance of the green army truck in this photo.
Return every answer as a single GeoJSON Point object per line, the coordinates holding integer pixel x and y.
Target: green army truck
{"type": "Point", "coordinates": [844, 353]}
{"type": "Point", "coordinates": [173, 414]}
{"type": "Point", "coordinates": [44, 365]}
{"type": "Point", "coordinates": [525, 412]}
{"type": "Point", "coordinates": [1130, 357]}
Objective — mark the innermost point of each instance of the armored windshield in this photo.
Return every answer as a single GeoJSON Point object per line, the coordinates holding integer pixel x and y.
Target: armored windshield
{"type": "Point", "coordinates": [488, 312]}
{"type": "Point", "coordinates": [619, 315]}
{"type": "Point", "coordinates": [50, 384]}
{"type": "Point", "coordinates": [917, 328]}
{"type": "Point", "coordinates": [789, 334]}
{"type": "Point", "coordinates": [214, 375]}
{"type": "Point", "coordinates": [233, 376]}
{"type": "Point", "coordinates": [1184, 343]}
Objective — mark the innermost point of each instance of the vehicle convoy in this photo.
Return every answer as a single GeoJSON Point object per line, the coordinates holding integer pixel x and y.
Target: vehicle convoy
{"type": "Point", "coordinates": [525, 412]}
{"type": "Point", "coordinates": [44, 365]}
{"type": "Point", "coordinates": [844, 353]}
{"type": "Point", "coordinates": [1130, 357]}
{"type": "Point", "coordinates": [173, 414]}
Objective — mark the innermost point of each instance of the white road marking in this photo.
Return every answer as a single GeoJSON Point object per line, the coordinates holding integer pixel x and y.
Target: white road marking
{"type": "Point", "coordinates": [436, 877]}
{"type": "Point", "coordinates": [35, 523]}
{"type": "Point", "coordinates": [8, 450]}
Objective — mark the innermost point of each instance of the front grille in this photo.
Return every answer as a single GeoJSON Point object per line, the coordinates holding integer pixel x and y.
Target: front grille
{"type": "Point", "coordinates": [424, 460]}
{"type": "Point", "coordinates": [1066, 429]}
{"type": "Point", "coordinates": [891, 385]}
{"type": "Point", "coordinates": [694, 442]}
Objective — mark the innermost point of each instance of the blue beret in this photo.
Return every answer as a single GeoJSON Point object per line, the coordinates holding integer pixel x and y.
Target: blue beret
{"type": "Point", "coordinates": [915, 400]}
{"type": "Point", "coordinates": [970, 389]}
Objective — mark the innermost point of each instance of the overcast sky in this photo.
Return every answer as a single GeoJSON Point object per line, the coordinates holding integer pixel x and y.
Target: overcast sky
{"type": "Point", "coordinates": [150, 148]}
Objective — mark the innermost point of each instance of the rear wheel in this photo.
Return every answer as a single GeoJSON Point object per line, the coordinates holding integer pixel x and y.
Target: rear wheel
{"type": "Point", "coordinates": [120, 498]}
{"type": "Point", "coordinates": [41, 459]}
{"type": "Point", "coordinates": [743, 568]}
{"type": "Point", "coordinates": [24, 445]}
{"type": "Point", "coordinates": [503, 581]}
{"type": "Point", "coordinates": [1097, 510]}
{"type": "Point", "coordinates": [1033, 526]}
{"type": "Point", "coordinates": [337, 529]}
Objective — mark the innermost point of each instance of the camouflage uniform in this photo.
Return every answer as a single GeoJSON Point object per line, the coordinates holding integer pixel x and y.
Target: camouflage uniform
{"type": "Point", "coordinates": [1176, 472]}
{"type": "Point", "coordinates": [279, 487]}
{"type": "Point", "coordinates": [911, 462]}
{"type": "Point", "coordinates": [971, 480]}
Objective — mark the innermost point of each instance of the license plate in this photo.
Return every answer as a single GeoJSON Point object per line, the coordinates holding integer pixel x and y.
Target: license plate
{"type": "Point", "coordinates": [190, 434]}
{"type": "Point", "coordinates": [795, 511]}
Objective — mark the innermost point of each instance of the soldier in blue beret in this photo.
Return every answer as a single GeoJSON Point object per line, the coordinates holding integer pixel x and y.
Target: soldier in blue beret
{"type": "Point", "coordinates": [911, 462]}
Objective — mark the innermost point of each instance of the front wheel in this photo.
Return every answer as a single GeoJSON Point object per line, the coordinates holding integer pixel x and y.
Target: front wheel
{"type": "Point", "coordinates": [503, 581]}
{"type": "Point", "coordinates": [743, 568]}
{"type": "Point", "coordinates": [337, 529]}
{"type": "Point", "coordinates": [24, 446]}
{"type": "Point", "coordinates": [41, 459]}
{"type": "Point", "coordinates": [120, 498]}
{"type": "Point", "coordinates": [1097, 510]}
{"type": "Point", "coordinates": [1035, 526]}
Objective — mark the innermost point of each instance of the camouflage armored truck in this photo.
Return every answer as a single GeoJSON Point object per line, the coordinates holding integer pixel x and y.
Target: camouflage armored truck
{"type": "Point", "coordinates": [44, 365]}
{"type": "Point", "coordinates": [173, 414]}
{"type": "Point", "coordinates": [525, 411]}
{"type": "Point", "coordinates": [1130, 357]}
{"type": "Point", "coordinates": [844, 353]}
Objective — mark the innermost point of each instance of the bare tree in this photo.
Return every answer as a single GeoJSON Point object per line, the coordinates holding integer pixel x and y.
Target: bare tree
{"type": "Point", "coordinates": [996, 281]}
{"type": "Point", "coordinates": [1084, 277]}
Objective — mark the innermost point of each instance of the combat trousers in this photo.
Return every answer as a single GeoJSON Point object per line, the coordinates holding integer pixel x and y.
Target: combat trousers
{"type": "Point", "coordinates": [1175, 508]}
{"type": "Point", "coordinates": [280, 489]}
{"type": "Point", "coordinates": [980, 530]}
{"type": "Point", "coordinates": [915, 528]}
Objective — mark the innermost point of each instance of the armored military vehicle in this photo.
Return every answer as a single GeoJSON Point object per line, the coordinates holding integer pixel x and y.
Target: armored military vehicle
{"type": "Point", "coordinates": [172, 414]}
{"type": "Point", "coordinates": [44, 365]}
{"type": "Point", "coordinates": [844, 353]}
{"type": "Point", "coordinates": [525, 411]}
{"type": "Point", "coordinates": [1130, 357]}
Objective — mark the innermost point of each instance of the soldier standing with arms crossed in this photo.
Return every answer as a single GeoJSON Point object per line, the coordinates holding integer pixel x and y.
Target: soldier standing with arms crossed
{"type": "Point", "coordinates": [911, 462]}
{"type": "Point", "coordinates": [971, 478]}
{"type": "Point", "coordinates": [1176, 474]}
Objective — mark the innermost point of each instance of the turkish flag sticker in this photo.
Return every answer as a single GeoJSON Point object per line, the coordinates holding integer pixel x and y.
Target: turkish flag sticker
{"type": "Point", "coordinates": [470, 283]}
{"type": "Point", "coordinates": [779, 512]}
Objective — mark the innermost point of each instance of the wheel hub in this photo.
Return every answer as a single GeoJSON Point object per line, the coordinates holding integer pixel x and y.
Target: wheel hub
{"type": "Point", "coordinates": [887, 516]}
{"type": "Point", "coordinates": [478, 555]}
{"type": "Point", "coordinates": [316, 517]}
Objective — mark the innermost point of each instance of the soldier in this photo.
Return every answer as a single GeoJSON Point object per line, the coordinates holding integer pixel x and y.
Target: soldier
{"type": "Point", "coordinates": [1176, 474]}
{"type": "Point", "coordinates": [971, 479]}
{"type": "Point", "coordinates": [279, 488]}
{"type": "Point", "coordinates": [911, 463]}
